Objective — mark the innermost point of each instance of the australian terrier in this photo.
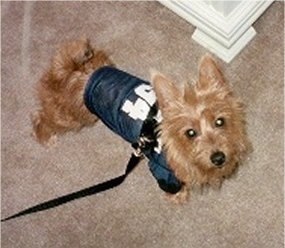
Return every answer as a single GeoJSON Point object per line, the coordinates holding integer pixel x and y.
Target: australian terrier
{"type": "Point", "coordinates": [200, 128]}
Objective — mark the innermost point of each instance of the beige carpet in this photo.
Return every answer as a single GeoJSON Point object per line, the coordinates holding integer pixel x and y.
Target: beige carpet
{"type": "Point", "coordinates": [246, 213]}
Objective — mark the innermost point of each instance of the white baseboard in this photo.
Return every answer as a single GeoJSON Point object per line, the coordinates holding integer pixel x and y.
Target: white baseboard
{"type": "Point", "coordinates": [225, 53]}
{"type": "Point", "coordinates": [223, 35]}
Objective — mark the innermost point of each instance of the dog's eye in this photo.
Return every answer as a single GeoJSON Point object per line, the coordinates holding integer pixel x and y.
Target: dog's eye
{"type": "Point", "coordinates": [220, 122]}
{"type": "Point", "coordinates": [191, 133]}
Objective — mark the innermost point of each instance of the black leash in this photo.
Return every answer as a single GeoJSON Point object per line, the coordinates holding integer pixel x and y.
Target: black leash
{"type": "Point", "coordinates": [133, 162]}
{"type": "Point", "coordinates": [146, 142]}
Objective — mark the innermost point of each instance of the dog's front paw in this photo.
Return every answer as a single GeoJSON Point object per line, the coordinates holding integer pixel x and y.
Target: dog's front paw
{"type": "Point", "coordinates": [180, 197]}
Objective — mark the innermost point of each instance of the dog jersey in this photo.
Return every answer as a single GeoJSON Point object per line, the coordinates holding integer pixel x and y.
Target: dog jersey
{"type": "Point", "coordinates": [123, 102]}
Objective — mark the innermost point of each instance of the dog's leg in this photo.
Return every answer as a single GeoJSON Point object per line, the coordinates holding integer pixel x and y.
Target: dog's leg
{"type": "Point", "coordinates": [42, 131]}
{"type": "Point", "coordinates": [181, 197]}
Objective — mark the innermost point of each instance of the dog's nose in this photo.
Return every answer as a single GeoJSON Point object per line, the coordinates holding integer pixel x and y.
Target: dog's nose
{"type": "Point", "coordinates": [218, 158]}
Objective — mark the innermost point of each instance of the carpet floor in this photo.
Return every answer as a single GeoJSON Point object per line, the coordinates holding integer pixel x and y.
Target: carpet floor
{"type": "Point", "coordinates": [248, 210]}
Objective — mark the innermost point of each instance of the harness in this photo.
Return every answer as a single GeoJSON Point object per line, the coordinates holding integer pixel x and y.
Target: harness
{"type": "Point", "coordinates": [140, 126]}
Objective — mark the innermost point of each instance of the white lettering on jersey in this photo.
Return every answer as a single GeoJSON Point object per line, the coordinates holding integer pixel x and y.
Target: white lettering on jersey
{"type": "Point", "coordinates": [146, 92]}
{"type": "Point", "coordinates": [158, 148]}
{"type": "Point", "coordinates": [141, 107]}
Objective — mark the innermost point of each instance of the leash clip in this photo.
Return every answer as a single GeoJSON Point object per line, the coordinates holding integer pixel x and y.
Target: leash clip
{"type": "Point", "coordinates": [141, 145]}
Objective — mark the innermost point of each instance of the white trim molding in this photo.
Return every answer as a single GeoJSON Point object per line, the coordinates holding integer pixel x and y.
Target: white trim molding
{"type": "Point", "coordinates": [223, 27]}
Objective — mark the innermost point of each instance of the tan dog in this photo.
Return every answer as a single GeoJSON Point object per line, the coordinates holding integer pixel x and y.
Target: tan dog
{"type": "Point", "coordinates": [202, 132]}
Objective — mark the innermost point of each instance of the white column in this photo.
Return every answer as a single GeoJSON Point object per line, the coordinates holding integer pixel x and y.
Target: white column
{"type": "Point", "coordinates": [223, 27]}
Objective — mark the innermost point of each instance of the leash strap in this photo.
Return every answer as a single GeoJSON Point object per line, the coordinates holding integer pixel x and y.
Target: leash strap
{"type": "Point", "coordinates": [133, 162]}
{"type": "Point", "coordinates": [146, 141]}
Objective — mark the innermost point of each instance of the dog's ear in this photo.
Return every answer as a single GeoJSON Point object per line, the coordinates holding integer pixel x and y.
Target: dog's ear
{"type": "Point", "coordinates": [210, 76]}
{"type": "Point", "coordinates": [165, 90]}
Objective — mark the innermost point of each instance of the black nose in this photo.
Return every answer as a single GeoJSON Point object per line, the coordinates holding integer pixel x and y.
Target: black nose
{"type": "Point", "coordinates": [218, 158]}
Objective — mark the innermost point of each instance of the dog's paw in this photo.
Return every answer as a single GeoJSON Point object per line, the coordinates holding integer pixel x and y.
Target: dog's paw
{"type": "Point", "coordinates": [46, 142]}
{"type": "Point", "coordinates": [51, 142]}
{"type": "Point", "coordinates": [179, 198]}
{"type": "Point", "coordinates": [42, 132]}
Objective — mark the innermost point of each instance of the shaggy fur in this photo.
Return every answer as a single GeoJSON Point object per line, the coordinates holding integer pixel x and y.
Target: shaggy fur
{"type": "Point", "coordinates": [198, 110]}
{"type": "Point", "coordinates": [203, 130]}
{"type": "Point", "coordinates": [60, 91]}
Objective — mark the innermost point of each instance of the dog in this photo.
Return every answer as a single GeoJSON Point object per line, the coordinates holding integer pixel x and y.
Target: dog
{"type": "Point", "coordinates": [200, 129]}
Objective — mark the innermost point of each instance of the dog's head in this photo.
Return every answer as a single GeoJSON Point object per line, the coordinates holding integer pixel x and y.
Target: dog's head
{"type": "Point", "coordinates": [203, 129]}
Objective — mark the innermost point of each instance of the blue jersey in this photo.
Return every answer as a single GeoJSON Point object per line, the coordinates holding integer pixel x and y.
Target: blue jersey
{"type": "Point", "coordinates": [123, 102]}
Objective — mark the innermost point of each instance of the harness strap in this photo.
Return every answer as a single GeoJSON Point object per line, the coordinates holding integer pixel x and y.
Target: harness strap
{"type": "Point", "coordinates": [133, 162]}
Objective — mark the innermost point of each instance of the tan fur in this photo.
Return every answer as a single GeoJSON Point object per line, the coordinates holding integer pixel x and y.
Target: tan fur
{"type": "Point", "coordinates": [197, 107]}
{"type": "Point", "coordinates": [60, 91]}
